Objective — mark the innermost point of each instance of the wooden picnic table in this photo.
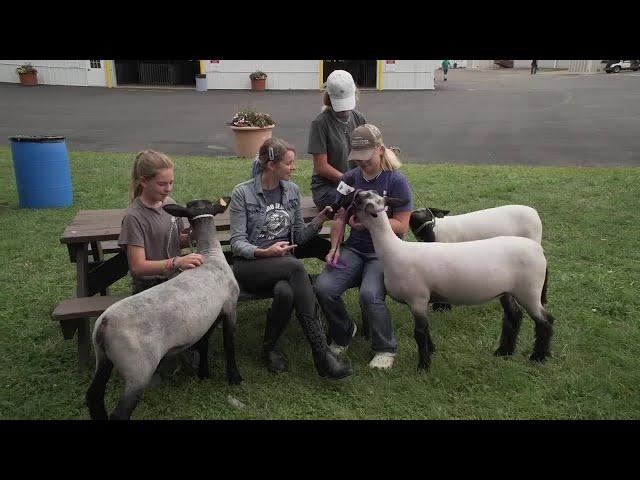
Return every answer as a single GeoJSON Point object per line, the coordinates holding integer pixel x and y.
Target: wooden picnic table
{"type": "Point", "coordinates": [85, 238]}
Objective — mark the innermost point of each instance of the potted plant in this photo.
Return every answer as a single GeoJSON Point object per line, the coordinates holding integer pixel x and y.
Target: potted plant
{"type": "Point", "coordinates": [251, 128]}
{"type": "Point", "coordinates": [28, 74]}
{"type": "Point", "coordinates": [258, 80]}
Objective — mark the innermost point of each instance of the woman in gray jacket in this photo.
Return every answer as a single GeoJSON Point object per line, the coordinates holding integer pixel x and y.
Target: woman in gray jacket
{"type": "Point", "coordinates": [266, 227]}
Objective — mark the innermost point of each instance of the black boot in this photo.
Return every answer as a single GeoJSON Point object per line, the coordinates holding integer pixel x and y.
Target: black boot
{"type": "Point", "coordinates": [325, 362]}
{"type": "Point", "coordinates": [273, 359]}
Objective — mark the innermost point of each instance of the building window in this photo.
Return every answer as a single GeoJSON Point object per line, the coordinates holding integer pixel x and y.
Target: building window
{"type": "Point", "coordinates": [95, 63]}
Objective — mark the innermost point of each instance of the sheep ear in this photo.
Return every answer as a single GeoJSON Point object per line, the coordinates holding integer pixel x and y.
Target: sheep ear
{"type": "Point", "coordinates": [439, 213]}
{"type": "Point", "coordinates": [395, 202]}
{"type": "Point", "coordinates": [175, 210]}
{"type": "Point", "coordinates": [221, 205]}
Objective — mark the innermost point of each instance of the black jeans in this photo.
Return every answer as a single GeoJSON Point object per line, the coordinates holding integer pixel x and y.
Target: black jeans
{"type": "Point", "coordinates": [317, 247]}
{"type": "Point", "coordinates": [262, 274]}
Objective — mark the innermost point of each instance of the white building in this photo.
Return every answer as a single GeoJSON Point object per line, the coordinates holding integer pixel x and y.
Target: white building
{"type": "Point", "coordinates": [228, 74]}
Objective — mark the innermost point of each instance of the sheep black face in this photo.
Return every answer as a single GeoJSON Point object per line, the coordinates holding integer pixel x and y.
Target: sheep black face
{"type": "Point", "coordinates": [422, 222]}
{"type": "Point", "coordinates": [196, 208]}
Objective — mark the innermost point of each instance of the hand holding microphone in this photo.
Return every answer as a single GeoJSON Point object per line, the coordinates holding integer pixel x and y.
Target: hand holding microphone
{"type": "Point", "coordinates": [344, 196]}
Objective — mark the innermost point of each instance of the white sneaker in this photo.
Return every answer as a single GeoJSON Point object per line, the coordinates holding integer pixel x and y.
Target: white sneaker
{"type": "Point", "coordinates": [383, 360]}
{"type": "Point", "coordinates": [341, 349]}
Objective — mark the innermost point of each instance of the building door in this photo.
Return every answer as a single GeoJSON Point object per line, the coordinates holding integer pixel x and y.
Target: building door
{"type": "Point", "coordinates": [96, 74]}
{"type": "Point", "coordinates": [364, 72]}
{"type": "Point", "coordinates": [157, 72]}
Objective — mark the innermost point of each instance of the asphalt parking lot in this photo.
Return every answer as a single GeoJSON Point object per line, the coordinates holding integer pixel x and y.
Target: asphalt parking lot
{"type": "Point", "coordinates": [476, 117]}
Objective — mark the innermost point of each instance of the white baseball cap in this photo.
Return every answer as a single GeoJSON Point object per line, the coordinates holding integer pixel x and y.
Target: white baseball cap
{"type": "Point", "coordinates": [342, 90]}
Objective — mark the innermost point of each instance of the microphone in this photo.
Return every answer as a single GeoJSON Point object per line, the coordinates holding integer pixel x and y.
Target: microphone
{"type": "Point", "coordinates": [344, 196]}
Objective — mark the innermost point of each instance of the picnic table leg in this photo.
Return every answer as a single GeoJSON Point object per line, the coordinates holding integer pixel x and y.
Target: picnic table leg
{"type": "Point", "coordinates": [82, 264]}
{"type": "Point", "coordinates": [98, 256]}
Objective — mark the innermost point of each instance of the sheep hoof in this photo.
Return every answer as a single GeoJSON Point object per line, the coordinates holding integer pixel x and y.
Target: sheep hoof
{"type": "Point", "coordinates": [422, 368]}
{"type": "Point", "coordinates": [538, 357]}
{"type": "Point", "coordinates": [501, 352]}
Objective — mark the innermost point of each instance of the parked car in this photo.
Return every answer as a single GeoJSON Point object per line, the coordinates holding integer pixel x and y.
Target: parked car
{"type": "Point", "coordinates": [614, 66]}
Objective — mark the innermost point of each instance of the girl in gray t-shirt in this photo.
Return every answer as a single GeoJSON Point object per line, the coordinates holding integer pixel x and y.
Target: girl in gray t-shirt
{"type": "Point", "coordinates": [150, 236]}
{"type": "Point", "coordinates": [329, 137]}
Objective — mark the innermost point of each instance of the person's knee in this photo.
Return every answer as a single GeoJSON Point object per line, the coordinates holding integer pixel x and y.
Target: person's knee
{"type": "Point", "coordinates": [370, 296]}
{"type": "Point", "coordinates": [283, 292]}
{"type": "Point", "coordinates": [324, 287]}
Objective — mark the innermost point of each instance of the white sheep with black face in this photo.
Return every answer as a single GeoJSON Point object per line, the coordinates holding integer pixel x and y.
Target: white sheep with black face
{"type": "Point", "coordinates": [135, 333]}
{"type": "Point", "coordinates": [433, 224]}
{"type": "Point", "coordinates": [462, 273]}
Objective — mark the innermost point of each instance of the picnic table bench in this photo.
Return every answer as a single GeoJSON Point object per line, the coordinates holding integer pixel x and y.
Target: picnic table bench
{"type": "Point", "coordinates": [90, 236]}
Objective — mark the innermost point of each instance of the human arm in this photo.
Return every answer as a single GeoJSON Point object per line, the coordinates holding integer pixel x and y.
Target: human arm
{"type": "Point", "coordinates": [141, 267]}
{"type": "Point", "coordinates": [337, 235]}
{"type": "Point", "coordinates": [324, 169]}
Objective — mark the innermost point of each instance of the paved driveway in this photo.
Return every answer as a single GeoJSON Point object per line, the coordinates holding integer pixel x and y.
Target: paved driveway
{"type": "Point", "coordinates": [493, 117]}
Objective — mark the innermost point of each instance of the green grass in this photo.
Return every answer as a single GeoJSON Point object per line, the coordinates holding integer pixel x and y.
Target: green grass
{"type": "Point", "coordinates": [590, 218]}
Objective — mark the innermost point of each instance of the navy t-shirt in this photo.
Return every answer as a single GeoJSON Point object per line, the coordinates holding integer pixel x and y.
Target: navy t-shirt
{"type": "Point", "coordinates": [391, 183]}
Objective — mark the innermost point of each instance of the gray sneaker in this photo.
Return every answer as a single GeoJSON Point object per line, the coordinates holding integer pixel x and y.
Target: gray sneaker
{"type": "Point", "coordinates": [338, 350]}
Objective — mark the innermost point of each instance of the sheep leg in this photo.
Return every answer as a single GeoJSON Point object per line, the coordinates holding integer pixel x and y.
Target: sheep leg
{"type": "Point", "coordinates": [422, 335]}
{"type": "Point", "coordinates": [202, 347]}
{"type": "Point", "coordinates": [95, 394]}
{"type": "Point", "coordinates": [441, 307]}
{"type": "Point", "coordinates": [128, 401]}
{"type": "Point", "coordinates": [228, 332]}
{"type": "Point", "coordinates": [543, 329]}
{"type": "Point", "coordinates": [544, 332]}
{"type": "Point", "coordinates": [511, 321]}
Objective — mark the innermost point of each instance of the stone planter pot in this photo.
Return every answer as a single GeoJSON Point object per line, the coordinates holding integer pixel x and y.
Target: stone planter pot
{"type": "Point", "coordinates": [29, 79]}
{"type": "Point", "coordinates": [249, 139]}
{"type": "Point", "coordinates": [258, 84]}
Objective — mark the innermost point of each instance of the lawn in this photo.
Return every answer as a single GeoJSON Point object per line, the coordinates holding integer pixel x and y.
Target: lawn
{"type": "Point", "coordinates": [590, 218]}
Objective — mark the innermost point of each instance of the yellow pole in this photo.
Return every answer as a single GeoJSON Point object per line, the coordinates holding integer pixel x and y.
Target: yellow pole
{"type": "Point", "coordinates": [320, 73]}
{"type": "Point", "coordinates": [380, 74]}
{"type": "Point", "coordinates": [109, 72]}
{"type": "Point", "coordinates": [203, 66]}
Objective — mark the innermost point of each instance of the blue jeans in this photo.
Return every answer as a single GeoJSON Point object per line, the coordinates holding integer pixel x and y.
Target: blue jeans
{"type": "Point", "coordinates": [365, 271]}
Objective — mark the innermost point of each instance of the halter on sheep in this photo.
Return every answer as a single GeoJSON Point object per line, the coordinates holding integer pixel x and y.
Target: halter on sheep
{"type": "Point", "coordinates": [135, 333]}
{"type": "Point", "coordinates": [464, 273]}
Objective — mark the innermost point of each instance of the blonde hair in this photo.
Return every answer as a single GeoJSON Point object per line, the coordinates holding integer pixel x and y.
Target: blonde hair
{"type": "Point", "coordinates": [389, 159]}
{"type": "Point", "coordinates": [278, 149]}
{"type": "Point", "coordinates": [146, 165]}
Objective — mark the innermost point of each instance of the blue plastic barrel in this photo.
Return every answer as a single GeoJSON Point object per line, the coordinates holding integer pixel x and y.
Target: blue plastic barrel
{"type": "Point", "coordinates": [42, 170]}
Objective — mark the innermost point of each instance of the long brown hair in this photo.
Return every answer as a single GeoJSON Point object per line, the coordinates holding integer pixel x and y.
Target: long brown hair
{"type": "Point", "coordinates": [146, 165]}
{"type": "Point", "coordinates": [273, 149]}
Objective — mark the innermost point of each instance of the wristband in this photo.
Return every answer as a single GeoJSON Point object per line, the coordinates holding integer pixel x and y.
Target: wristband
{"type": "Point", "coordinates": [163, 266]}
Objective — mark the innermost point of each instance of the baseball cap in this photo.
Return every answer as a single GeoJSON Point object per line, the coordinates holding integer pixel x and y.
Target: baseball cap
{"type": "Point", "coordinates": [342, 90]}
{"type": "Point", "coordinates": [364, 140]}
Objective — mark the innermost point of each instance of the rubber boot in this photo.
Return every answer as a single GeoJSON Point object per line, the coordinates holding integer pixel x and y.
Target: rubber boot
{"type": "Point", "coordinates": [273, 359]}
{"type": "Point", "coordinates": [326, 363]}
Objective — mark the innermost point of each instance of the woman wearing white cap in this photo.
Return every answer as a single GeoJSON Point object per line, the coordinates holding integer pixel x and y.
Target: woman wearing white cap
{"type": "Point", "coordinates": [354, 263]}
{"type": "Point", "coordinates": [329, 138]}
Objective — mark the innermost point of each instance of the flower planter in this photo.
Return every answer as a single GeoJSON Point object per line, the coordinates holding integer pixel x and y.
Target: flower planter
{"type": "Point", "coordinates": [249, 139]}
{"type": "Point", "coordinates": [29, 79]}
{"type": "Point", "coordinates": [258, 83]}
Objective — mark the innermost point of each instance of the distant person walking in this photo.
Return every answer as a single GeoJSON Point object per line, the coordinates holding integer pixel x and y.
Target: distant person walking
{"type": "Point", "coordinates": [445, 68]}
{"type": "Point", "coordinates": [534, 66]}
